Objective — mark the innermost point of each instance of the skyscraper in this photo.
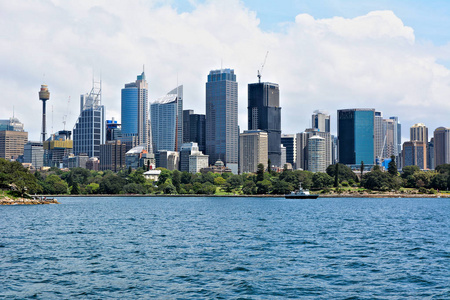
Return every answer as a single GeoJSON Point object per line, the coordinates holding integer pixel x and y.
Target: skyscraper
{"type": "Point", "coordinates": [302, 140]}
{"type": "Point", "coordinates": [441, 146]}
{"type": "Point", "coordinates": [253, 150]}
{"type": "Point", "coordinates": [167, 121]}
{"type": "Point", "coordinates": [264, 113]}
{"type": "Point", "coordinates": [397, 136]}
{"type": "Point", "coordinates": [12, 138]}
{"type": "Point", "coordinates": [419, 132]}
{"type": "Point", "coordinates": [194, 128]}
{"type": "Point", "coordinates": [135, 122]}
{"type": "Point", "coordinates": [356, 136]}
{"type": "Point", "coordinates": [414, 153]}
{"type": "Point", "coordinates": [289, 141]}
{"type": "Point", "coordinates": [89, 130]}
{"type": "Point", "coordinates": [222, 131]}
{"type": "Point", "coordinates": [316, 154]}
{"type": "Point", "coordinates": [321, 120]}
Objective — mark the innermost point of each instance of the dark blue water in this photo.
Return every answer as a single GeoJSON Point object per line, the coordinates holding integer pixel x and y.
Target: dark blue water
{"type": "Point", "coordinates": [226, 248]}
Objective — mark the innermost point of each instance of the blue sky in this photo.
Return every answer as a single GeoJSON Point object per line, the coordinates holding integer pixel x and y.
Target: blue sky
{"type": "Point", "coordinates": [393, 56]}
{"type": "Point", "coordinates": [428, 18]}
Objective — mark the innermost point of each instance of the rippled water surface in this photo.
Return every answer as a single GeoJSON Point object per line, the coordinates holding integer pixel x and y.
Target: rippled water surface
{"type": "Point", "coordinates": [226, 248]}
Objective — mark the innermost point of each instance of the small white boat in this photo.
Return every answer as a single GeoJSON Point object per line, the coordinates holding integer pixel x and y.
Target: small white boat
{"type": "Point", "coordinates": [301, 194]}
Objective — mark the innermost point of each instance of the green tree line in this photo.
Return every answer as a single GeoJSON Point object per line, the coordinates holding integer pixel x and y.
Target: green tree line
{"type": "Point", "coordinates": [83, 181]}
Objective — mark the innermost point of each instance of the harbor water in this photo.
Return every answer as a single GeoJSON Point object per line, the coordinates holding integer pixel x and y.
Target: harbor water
{"type": "Point", "coordinates": [226, 248]}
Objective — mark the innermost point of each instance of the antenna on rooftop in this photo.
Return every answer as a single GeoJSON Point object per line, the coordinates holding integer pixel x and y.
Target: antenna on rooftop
{"type": "Point", "coordinates": [262, 67]}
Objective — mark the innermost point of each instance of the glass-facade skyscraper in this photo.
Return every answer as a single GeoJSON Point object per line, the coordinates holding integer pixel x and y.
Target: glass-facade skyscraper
{"type": "Point", "coordinates": [356, 136]}
{"type": "Point", "coordinates": [167, 121]}
{"type": "Point", "coordinates": [194, 128]}
{"type": "Point", "coordinates": [135, 122]}
{"type": "Point", "coordinates": [264, 113]}
{"type": "Point", "coordinates": [222, 132]}
{"type": "Point", "coordinates": [89, 130]}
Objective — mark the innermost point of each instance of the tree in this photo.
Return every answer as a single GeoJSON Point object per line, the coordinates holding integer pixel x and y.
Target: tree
{"type": "Point", "coordinates": [380, 181]}
{"type": "Point", "coordinates": [362, 168]}
{"type": "Point", "coordinates": [234, 181]}
{"type": "Point", "coordinates": [264, 187]}
{"type": "Point", "coordinates": [133, 188]}
{"type": "Point", "coordinates": [111, 184]}
{"type": "Point", "coordinates": [321, 180]}
{"type": "Point", "coordinates": [92, 188]}
{"type": "Point", "coordinates": [444, 169]}
{"type": "Point", "coordinates": [409, 170]}
{"type": "Point", "coordinates": [260, 173]}
{"type": "Point", "coordinates": [392, 167]}
{"type": "Point", "coordinates": [75, 189]}
{"type": "Point", "coordinates": [345, 172]}
{"type": "Point", "coordinates": [336, 176]}
{"type": "Point", "coordinates": [249, 188]}
{"type": "Point", "coordinates": [55, 185]}
{"type": "Point", "coordinates": [281, 187]}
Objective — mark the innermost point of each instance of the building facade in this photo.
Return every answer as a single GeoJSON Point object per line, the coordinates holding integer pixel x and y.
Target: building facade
{"type": "Point", "coordinates": [290, 142]}
{"type": "Point", "coordinates": [167, 121]}
{"type": "Point", "coordinates": [194, 129]}
{"type": "Point", "coordinates": [356, 136]}
{"type": "Point", "coordinates": [414, 154]}
{"type": "Point", "coordinates": [302, 140]}
{"type": "Point", "coordinates": [441, 146]}
{"type": "Point", "coordinates": [135, 112]}
{"type": "Point", "coordinates": [33, 153]}
{"type": "Point", "coordinates": [112, 156]}
{"type": "Point", "coordinates": [316, 154]}
{"type": "Point", "coordinates": [187, 149]}
{"type": "Point", "coordinates": [264, 113]}
{"type": "Point", "coordinates": [222, 132]}
{"type": "Point", "coordinates": [321, 120]}
{"type": "Point", "coordinates": [12, 143]}
{"type": "Point", "coordinates": [89, 130]}
{"type": "Point", "coordinates": [197, 161]}
{"type": "Point", "coordinates": [253, 150]}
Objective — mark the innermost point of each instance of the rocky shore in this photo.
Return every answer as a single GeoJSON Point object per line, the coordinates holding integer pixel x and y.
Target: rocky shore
{"type": "Point", "coordinates": [25, 201]}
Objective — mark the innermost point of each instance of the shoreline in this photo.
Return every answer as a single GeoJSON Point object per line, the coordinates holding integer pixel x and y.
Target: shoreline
{"type": "Point", "coordinates": [26, 201]}
{"type": "Point", "coordinates": [262, 196]}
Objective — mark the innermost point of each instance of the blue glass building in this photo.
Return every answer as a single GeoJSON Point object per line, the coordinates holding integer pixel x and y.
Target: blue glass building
{"type": "Point", "coordinates": [167, 121]}
{"type": "Point", "coordinates": [89, 130]}
{"type": "Point", "coordinates": [134, 111]}
{"type": "Point", "coordinates": [222, 132]}
{"type": "Point", "coordinates": [356, 136]}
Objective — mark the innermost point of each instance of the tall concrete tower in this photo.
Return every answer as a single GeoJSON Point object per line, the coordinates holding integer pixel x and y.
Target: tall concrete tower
{"type": "Point", "coordinates": [44, 95]}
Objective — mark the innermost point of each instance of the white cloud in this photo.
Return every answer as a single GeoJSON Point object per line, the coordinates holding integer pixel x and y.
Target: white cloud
{"type": "Point", "coordinates": [368, 61]}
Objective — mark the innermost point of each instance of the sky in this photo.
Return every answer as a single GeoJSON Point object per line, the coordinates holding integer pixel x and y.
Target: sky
{"type": "Point", "coordinates": [391, 55]}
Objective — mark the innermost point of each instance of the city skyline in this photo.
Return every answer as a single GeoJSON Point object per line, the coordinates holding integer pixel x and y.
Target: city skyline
{"type": "Point", "coordinates": [323, 57]}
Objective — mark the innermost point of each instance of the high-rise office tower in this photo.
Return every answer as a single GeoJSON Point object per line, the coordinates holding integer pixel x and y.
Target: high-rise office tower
{"type": "Point", "coordinates": [112, 156]}
{"type": "Point", "coordinates": [356, 136]}
{"type": "Point", "coordinates": [264, 113]}
{"type": "Point", "coordinates": [289, 141]}
{"type": "Point", "coordinates": [194, 128]}
{"type": "Point", "coordinates": [397, 136]}
{"type": "Point", "coordinates": [58, 146]}
{"type": "Point", "coordinates": [113, 130]}
{"type": "Point", "coordinates": [414, 153]}
{"type": "Point", "coordinates": [419, 132]}
{"type": "Point", "coordinates": [135, 121]}
{"type": "Point", "coordinates": [167, 121]}
{"type": "Point", "coordinates": [186, 150]}
{"type": "Point", "coordinates": [33, 153]}
{"type": "Point", "coordinates": [321, 120]}
{"type": "Point", "coordinates": [316, 154]}
{"type": "Point", "coordinates": [44, 95]}
{"type": "Point", "coordinates": [441, 146]}
{"type": "Point", "coordinates": [222, 131]}
{"type": "Point", "coordinates": [390, 139]}
{"type": "Point", "coordinates": [12, 138]}
{"type": "Point", "coordinates": [302, 140]}
{"type": "Point", "coordinates": [379, 136]}
{"type": "Point", "coordinates": [253, 147]}
{"type": "Point", "coordinates": [89, 130]}
{"type": "Point", "coordinates": [430, 154]}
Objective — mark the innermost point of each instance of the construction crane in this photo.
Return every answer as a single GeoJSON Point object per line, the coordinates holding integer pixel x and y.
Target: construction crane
{"type": "Point", "coordinates": [262, 67]}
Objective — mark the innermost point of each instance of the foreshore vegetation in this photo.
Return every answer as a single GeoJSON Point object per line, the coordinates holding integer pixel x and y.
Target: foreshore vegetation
{"type": "Point", "coordinates": [18, 181]}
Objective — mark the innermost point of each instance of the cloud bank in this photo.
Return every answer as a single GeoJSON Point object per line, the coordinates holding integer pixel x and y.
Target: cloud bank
{"type": "Point", "coordinates": [369, 61]}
